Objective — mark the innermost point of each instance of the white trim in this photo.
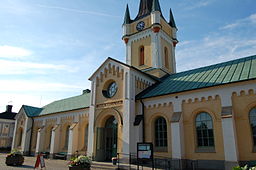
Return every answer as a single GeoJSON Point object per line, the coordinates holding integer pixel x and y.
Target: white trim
{"type": "Point", "coordinates": [225, 94]}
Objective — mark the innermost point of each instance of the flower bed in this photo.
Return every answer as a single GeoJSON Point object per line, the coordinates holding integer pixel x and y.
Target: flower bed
{"type": "Point", "coordinates": [15, 158]}
{"type": "Point", "coordinates": [80, 163]}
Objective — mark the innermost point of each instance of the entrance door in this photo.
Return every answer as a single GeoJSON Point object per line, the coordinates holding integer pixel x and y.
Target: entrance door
{"type": "Point", "coordinates": [110, 138]}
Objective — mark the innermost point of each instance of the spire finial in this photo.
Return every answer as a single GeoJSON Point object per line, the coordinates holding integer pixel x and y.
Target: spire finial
{"type": "Point", "coordinates": [172, 22]}
{"type": "Point", "coordinates": [156, 6]}
{"type": "Point", "coordinates": [145, 8]}
{"type": "Point", "coordinates": [127, 18]}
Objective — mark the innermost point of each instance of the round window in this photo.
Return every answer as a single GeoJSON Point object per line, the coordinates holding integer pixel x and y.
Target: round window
{"type": "Point", "coordinates": [111, 90]}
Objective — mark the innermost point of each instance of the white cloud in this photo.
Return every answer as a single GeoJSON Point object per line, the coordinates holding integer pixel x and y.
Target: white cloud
{"type": "Point", "coordinates": [37, 86]}
{"type": "Point", "coordinates": [250, 20]}
{"type": "Point", "coordinates": [78, 11]}
{"type": "Point", "coordinates": [20, 67]}
{"type": "Point", "coordinates": [33, 93]}
{"type": "Point", "coordinates": [12, 52]}
{"type": "Point", "coordinates": [213, 50]}
{"type": "Point", "coordinates": [199, 4]}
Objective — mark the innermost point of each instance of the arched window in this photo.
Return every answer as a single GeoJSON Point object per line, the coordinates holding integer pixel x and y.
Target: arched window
{"type": "Point", "coordinates": [20, 137]}
{"type": "Point", "coordinates": [142, 55]}
{"type": "Point", "coordinates": [204, 130]}
{"type": "Point", "coordinates": [252, 117]}
{"type": "Point", "coordinates": [67, 138]}
{"type": "Point", "coordinates": [160, 132]}
{"type": "Point", "coordinates": [166, 57]}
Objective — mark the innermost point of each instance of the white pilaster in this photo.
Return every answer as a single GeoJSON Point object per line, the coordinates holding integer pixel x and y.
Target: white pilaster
{"type": "Point", "coordinates": [155, 17]}
{"type": "Point", "coordinates": [14, 135]}
{"type": "Point", "coordinates": [129, 53]}
{"type": "Point", "coordinates": [26, 136]}
{"type": "Point", "coordinates": [70, 142]}
{"type": "Point", "coordinates": [229, 140]}
{"type": "Point", "coordinates": [55, 140]}
{"type": "Point", "coordinates": [91, 120]}
{"type": "Point", "coordinates": [40, 140]}
{"type": "Point", "coordinates": [156, 53]}
{"type": "Point", "coordinates": [71, 139]}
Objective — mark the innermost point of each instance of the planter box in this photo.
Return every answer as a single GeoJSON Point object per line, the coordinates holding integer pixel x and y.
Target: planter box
{"type": "Point", "coordinates": [14, 160]}
{"type": "Point", "coordinates": [78, 168]}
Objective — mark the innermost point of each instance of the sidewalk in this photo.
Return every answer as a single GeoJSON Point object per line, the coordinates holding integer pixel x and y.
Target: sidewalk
{"type": "Point", "coordinates": [60, 165]}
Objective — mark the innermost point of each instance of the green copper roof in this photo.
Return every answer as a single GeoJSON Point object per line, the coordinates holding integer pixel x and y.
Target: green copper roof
{"type": "Point", "coordinates": [32, 111]}
{"type": "Point", "coordinates": [69, 104]}
{"type": "Point", "coordinates": [218, 74]}
{"type": "Point", "coordinates": [127, 18]}
{"type": "Point", "coordinates": [172, 21]}
{"type": "Point", "coordinates": [156, 6]}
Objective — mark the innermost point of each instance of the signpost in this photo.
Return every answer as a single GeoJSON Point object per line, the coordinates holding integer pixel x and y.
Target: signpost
{"type": "Point", "coordinates": [145, 154]}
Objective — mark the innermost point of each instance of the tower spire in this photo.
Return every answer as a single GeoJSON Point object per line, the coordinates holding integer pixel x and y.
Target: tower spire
{"type": "Point", "coordinates": [127, 18]}
{"type": "Point", "coordinates": [145, 8]}
{"type": "Point", "coordinates": [156, 6]}
{"type": "Point", "coordinates": [172, 22]}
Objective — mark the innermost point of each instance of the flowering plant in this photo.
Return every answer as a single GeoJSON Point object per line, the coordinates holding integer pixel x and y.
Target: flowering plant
{"type": "Point", "coordinates": [14, 152]}
{"type": "Point", "coordinates": [81, 161]}
{"type": "Point", "coordinates": [114, 158]}
{"type": "Point", "coordinates": [244, 168]}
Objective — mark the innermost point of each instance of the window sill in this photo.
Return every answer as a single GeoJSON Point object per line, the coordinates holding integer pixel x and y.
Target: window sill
{"type": "Point", "coordinates": [160, 149]}
{"type": "Point", "coordinates": [205, 150]}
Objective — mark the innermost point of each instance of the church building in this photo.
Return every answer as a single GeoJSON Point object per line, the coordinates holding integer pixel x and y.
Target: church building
{"type": "Point", "coordinates": [206, 114]}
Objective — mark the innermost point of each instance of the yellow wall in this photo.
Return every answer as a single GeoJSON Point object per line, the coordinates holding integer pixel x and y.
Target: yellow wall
{"type": "Point", "coordinates": [164, 44]}
{"type": "Point", "coordinates": [166, 27]}
{"type": "Point", "coordinates": [189, 111]}
{"type": "Point", "coordinates": [242, 104]}
{"type": "Point", "coordinates": [146, 42]}
{"type": "Point", "coordinates": [146, 20]}
{"type": "Point", "coordinates": [151, 114]}
{"type": "Point", "coordinates": [107, 107]}
{"type": "Point", "coordinates": [111, 74]}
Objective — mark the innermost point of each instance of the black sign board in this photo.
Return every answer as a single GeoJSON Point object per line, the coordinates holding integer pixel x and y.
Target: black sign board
{"type": "Point", "coordinates": [145, 151]}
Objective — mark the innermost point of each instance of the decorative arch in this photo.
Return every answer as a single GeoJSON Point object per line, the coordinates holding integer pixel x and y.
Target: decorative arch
{"type": "Point", "coordinates": [161, 144]}
{"type": "Point", "coordinates": [105, 114]}
{"type": "Point", "coordinates": [197, 111]}
{"type": "Point", "coordinates": [204, 127]}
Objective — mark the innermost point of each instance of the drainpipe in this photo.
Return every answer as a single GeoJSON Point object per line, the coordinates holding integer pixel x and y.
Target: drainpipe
{"type": "Point", "coordinates": [30, 141]}
{"type": "Point", "coordinates": [143, 122]}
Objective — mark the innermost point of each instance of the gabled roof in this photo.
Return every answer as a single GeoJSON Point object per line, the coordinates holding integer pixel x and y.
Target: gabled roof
{"type": "Point", "coordinates": [219, 74]}
{"type": "Point", "coordinates": [68, 104]}
{"type": "Point", "coordinates": [123, 64]}
{"type": "Point", "coordinates": [32, 111]}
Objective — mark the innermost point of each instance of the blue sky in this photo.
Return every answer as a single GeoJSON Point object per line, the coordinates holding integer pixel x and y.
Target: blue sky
{"type": "Point", "coordinates": [49, 48]}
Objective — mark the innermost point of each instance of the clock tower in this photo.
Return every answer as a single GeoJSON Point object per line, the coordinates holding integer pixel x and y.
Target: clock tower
{"type": "Point", "coordinates": [150, 40]}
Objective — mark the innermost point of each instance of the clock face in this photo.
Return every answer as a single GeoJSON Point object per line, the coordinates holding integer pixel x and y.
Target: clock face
{"type": "Point", "coordinates": [112, 89]}
{"type": "Point", "coordinates": [140, 26]}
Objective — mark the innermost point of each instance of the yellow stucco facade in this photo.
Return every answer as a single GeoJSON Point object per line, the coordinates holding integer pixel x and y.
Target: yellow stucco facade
{"type": "Point", "coordinates": [122, 108]}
